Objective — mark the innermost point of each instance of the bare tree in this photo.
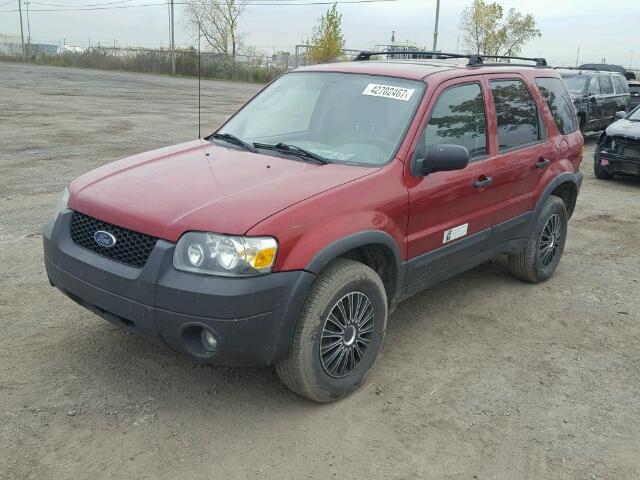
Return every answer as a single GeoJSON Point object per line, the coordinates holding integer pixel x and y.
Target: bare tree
{"type": "Point", "coordinates": [217, 22]}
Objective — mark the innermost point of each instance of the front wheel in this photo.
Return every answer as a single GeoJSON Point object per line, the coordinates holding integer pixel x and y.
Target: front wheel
{"type": "Point", "coordinates": [338, 335]}
{"type": "Point", "coordinates": [545, 244]}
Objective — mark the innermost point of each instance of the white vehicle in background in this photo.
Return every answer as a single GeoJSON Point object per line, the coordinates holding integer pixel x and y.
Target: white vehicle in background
{"type": "Point", "coordinates": [71, 49]}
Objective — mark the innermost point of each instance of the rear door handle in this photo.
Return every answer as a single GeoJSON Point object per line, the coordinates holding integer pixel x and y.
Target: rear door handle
{"type": "Point", "coordinates": [543, 163]}
{"type": "Point", "coordinates": [483, 182]}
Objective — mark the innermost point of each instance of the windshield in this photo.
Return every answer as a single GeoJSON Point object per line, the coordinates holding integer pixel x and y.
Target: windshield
{"type": "Point", "coordinates": [634, 116]}
{"type": "Point", "coordinates": [576, 84]}
{"type": "Point", "coordinates": [344, 118]}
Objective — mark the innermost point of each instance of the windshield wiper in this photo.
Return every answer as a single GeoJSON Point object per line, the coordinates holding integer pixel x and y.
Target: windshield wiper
{"type": "Point", "coordinates": [230, 138]}
{"type": "Point", "coordinates": [293, 150]}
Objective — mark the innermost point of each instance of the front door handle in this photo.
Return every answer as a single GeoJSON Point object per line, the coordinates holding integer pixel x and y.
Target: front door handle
{"type": "Point", "coordinates": [483, 182]}
{"type": "Point", "coordinates": [543, 163]}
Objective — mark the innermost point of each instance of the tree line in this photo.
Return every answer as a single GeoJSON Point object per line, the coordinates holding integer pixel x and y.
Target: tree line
{"type": "Point", "coordinates": [486, 27]}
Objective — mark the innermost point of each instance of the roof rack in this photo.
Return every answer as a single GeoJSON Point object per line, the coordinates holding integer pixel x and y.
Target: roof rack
{"type": "Point", "coordinates": [474, 58]}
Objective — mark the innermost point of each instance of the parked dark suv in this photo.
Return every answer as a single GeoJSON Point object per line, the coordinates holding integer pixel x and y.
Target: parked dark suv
{"type": "Point", "coordinates": [597, 96]}
{"type": "Point", "coordinates": [634, 90]}
{"type": "Point", "coordinates": [286, 237]}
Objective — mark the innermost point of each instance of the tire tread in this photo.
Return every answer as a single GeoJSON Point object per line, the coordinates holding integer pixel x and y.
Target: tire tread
{"type": "Point", "coordinates": [293, 370]}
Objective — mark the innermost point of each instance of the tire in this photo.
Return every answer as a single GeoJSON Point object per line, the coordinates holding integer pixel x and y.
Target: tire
{"type": "Point", "coordinates": [537, 262]}
{"type": "Point", "coordinates": [306, 371]}
{"type": "Point", "coordinates": [598, 170]}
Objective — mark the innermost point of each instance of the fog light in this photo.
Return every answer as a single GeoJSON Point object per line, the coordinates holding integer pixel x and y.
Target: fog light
{"type": "Point", "coordinates": [209, 340]}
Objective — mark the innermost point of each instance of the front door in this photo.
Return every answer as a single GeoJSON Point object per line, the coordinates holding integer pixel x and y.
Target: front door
{"type": "Point", "coordinates": [595, 116]}
{"type": "Point", "coordinates": [450, 213]}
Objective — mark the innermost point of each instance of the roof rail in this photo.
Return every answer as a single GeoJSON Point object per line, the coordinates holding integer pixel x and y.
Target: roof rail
{"type": "Point", "coordinates": [474, 58]}
{"type": "Point", "coordinates": [576, 68]}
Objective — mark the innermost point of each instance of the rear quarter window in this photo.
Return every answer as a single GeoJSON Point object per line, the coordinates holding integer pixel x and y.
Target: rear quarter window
{"type": "Point", "coordinates": [559, 103]}
{"type": "Point", "coordinates": [620, 84]}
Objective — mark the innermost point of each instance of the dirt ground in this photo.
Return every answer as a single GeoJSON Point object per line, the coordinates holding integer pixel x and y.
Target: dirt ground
{"type": "Point", "coordinates": [481, 377]}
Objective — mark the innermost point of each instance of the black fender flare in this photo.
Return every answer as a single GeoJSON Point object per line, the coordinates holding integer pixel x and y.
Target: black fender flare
{"type": "Point", "coordinates": [355, 240]}
{"type": "Point", "coordinates": [575, 178]}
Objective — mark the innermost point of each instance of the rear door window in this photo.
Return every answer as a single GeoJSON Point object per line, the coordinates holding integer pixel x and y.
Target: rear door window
{"type": "Point", "coordinates": [559, 102]}
{"type": "Point", "coordinates": [594, 86]}
{"type": "Point", "coordinates": [606, 87]}
{"type": "Point", "coordinates": [517, 114]}
{"type": "Point", "coordinates": [458, 118]}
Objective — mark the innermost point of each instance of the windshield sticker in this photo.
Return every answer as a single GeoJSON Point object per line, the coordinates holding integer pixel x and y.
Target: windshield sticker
{"type": "Point", "coordinates": [388, 91]}
{"type": "Point", "coordinates": [331, 155]}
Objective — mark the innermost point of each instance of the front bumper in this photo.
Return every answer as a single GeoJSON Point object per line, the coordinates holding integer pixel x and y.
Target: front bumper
{"type": "Point", "coordinates": [616, 163]}
{"type": "Point", "coordinates": [252, 318]}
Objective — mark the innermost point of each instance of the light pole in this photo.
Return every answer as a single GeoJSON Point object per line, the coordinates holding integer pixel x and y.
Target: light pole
{"type": "Point", "coordinates": [28, 29]}
{"type": "Point", "coordinates": [173, 43]}
{"type": "Point", "coordinates": [435, 28]}
{"type": "Point", "coordinates": [24, 57]}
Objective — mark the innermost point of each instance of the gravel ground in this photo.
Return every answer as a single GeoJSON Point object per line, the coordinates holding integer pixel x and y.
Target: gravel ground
{"type": "Point", "coordinates": [481, 377]}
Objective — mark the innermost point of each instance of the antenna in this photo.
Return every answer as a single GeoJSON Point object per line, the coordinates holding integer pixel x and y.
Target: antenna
{"type": "Point", "coordinates": [199, 136]}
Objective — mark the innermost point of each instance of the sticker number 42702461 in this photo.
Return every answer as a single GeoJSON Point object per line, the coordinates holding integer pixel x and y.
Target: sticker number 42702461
{"type": "Point", "coordinates": [388, 91]}
{"type": "Point", "coordinates": [456, 232]}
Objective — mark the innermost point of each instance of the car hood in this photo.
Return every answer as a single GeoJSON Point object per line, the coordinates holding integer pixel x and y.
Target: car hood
{"type": "Point", "coordinates": [624, 128]}
{"type": "Point", "coordinates": [201, 186]}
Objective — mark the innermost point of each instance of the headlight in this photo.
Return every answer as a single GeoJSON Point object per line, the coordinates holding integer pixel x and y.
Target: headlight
{"type": "Point", "coordinates": [225, 255]}
{"type": "Point", "coordinates": [61, 204]}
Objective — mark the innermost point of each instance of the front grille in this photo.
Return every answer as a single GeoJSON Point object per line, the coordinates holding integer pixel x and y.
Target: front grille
{"type": "Point", "coordinates": [131, 248]}
{"type": "Point", "coordinates": [629, 147]}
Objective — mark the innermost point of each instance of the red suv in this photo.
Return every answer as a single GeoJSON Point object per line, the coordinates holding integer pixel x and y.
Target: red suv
{"type": "Point", "coordinates": [287, 236]}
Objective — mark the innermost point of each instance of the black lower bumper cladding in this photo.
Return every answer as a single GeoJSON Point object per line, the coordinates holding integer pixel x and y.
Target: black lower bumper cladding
{"type": "Point", "coordinates": [251, 318]}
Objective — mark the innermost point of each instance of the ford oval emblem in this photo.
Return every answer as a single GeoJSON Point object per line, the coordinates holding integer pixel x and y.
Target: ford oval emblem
{"type": "Point", "coordinates": [104, 239]}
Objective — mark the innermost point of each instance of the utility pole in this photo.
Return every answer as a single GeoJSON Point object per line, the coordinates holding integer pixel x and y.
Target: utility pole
{"type": "Point", "coordinates": [28, 29]}
{"type": "Point", "coordinates": [173, 44]}
{"type": "Point", "coordinates": [577, 56]}
{"type": "Point", "coordinates": [24, 56]}
{"type": "Point", "coordinates": [435, 29]}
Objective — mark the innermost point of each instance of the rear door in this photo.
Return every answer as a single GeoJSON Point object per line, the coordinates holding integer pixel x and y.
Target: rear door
{"type": "Point", "coordinates": [609, 99]}
{"type": "Point", "coordinates": [523, 154]}
{"type": "Point", "coordinates": [450, 213]}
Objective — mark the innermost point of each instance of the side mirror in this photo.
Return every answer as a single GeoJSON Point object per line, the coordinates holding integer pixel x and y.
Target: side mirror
{"type": "Point", "coordinates": [443, 158]}
{"type": "Point", "coordinates": [621, 114]}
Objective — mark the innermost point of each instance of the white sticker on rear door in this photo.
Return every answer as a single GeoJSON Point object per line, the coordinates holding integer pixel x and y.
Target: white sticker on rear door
{"type": "Point", "coordinates": [388, 91]}
{"type": "Point", "coordinates": [456, 232]}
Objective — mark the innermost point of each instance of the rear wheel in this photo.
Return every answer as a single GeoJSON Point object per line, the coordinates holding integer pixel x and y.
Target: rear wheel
{"type": "Point", "coordinates": [338, 335]}
{"type": "Point", "coordinates": [545, 244]}
{"type": "Point", "coordinates": [598, 170]}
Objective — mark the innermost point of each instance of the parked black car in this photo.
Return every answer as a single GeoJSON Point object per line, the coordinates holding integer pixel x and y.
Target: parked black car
{"type": "Point", "coordinates": [618, 148]}
{"type": "Point", "coordinates": [634, 90]}
{"type": "Point", "coordinates": [597, 96]}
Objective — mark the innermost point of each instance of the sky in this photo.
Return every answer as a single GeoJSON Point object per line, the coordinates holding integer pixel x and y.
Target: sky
{"type": "Point", "coordinates": [602, 30]}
